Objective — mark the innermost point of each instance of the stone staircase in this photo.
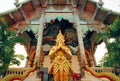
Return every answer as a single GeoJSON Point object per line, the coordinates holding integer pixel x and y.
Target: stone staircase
{"type": "Point", "coordinates": [75, 67]}
{"type": "Point", "coordinates": [88, 77]}
{"type": "Point", "coordinates": [46, 64]}
{"type": "Point", "coordinates": [32, 77]}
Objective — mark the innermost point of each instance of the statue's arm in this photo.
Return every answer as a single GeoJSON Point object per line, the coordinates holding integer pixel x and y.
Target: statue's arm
{"type": "Point", "coordinates": [52, 51]}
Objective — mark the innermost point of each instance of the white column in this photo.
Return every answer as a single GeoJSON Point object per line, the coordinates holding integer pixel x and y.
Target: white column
{"type": "Point", "coordinates": [80, 41]}
{"type": "Point", "coordinates": [39, 41]}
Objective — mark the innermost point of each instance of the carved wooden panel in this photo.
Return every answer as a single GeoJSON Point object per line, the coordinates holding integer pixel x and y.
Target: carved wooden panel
{"type": "Point", "coordinates": [100, 15]}
{"type": "Point", "coordinates": [90, 7]}
{"type": "Point", "coordinates": [18, 15]}
{"type": "Point", "coordinates": [59, 1]}
{"type": "Point", "coordinates": [28, 8]}
{"type": "Point", "coordinates": [8, 19]}
{"type": "Point", "coordinates": [36, 3]}
{"type": "Point", "coordinates": [110, 19]}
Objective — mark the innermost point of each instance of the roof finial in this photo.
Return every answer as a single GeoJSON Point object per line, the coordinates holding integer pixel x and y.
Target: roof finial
{"type": "Point", "coordinates": [16, 3]}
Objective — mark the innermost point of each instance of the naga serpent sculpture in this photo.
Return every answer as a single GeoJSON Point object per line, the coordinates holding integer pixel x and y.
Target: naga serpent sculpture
{"type": "Point", "coordinates": [60, 66]}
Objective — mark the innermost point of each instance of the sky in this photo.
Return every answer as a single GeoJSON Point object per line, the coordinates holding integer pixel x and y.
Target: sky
{"type": "Point", "coordinates": [113, 5]}
{"type": "Point", "coordinates": [100, 51]}
{"type": "Point", "coordinates": [6, 5]}
{"type": "Point", "coordinates": [20, 49]}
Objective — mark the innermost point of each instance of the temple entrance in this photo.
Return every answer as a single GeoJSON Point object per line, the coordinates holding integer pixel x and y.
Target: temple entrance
{"type": "Point", "coordinates": [51, 31]}
{"type": "Point", "coordinates": [69, 32]}
{"type": "Point", "coordinates": [70, 39]}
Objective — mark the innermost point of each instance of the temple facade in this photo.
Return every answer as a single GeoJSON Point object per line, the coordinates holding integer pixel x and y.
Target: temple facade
{"type": "Point", "coordinates": [39, 23]}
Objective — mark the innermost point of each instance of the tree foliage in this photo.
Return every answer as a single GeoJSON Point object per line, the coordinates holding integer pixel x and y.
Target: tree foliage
{"type": "Point", "coordinates": [111, 58]}
{"type": "Point", "coordinates": [7, 54]}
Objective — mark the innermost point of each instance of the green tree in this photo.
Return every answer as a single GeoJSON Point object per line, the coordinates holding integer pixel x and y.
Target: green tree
{"type": "Point", "coordinates": [111, 58]}
{"type": "Point", "coordinates": [7, 54]}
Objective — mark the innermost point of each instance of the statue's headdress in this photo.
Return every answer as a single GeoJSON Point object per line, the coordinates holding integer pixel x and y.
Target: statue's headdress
{"type": "Point", "coordinates": [60, 37]}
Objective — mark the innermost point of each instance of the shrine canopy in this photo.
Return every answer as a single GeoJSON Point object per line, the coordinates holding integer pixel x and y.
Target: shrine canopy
{"type": "Point", "coordinates": [8, 5]}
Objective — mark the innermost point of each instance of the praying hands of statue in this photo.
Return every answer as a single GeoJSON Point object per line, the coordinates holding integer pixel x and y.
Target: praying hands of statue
{"type": "Point", "coordinates": [54, 50]}
{"type": "Point", "coordinates": [59, 44]}
{"type": "Point", "coordinates": [67, 51]}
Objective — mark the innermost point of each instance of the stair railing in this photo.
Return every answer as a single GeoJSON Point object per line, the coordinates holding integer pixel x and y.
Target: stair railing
{"type": "Point", "coordinates": [18, 74]}
{"type": "Point", "coordinates": [108, 75]}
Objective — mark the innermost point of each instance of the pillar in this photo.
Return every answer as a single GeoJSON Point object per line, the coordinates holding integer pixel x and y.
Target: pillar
{"type": "Point", "coordinates": [81, 48]}
{"type": "Point", "coordinates": [80, 41]}
{"type": "Point", "coordinates": [39, 42]}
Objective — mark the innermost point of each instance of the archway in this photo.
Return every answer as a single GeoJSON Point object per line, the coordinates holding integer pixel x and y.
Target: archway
{"type": "Point", "coordinates": [51, 30]}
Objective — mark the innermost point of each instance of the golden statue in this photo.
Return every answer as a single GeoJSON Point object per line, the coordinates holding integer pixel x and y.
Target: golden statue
{"type": "Point", "coordinates": [60, 45]}
{"type": "Point", "coordinates": [60, 67]}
